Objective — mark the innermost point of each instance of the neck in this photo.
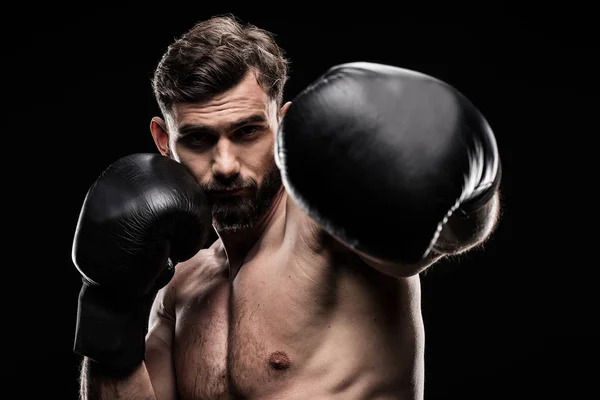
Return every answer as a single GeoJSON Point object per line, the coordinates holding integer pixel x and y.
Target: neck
{"type": "Point", "coordinates": [237, 244]}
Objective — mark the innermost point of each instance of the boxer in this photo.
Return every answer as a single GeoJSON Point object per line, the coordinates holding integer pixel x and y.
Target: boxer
{"type": "Point", "coordinates": [326, 210]}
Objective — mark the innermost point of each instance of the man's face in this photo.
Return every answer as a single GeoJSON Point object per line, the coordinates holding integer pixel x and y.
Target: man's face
{"type": "Point", "coordinates": [228, 144]}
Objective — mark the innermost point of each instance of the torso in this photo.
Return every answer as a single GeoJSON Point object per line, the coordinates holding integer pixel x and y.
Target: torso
{"type": "Point", "coordinates": [303, 318]}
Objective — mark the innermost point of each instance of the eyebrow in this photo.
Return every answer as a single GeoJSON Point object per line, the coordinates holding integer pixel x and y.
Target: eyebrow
{"type": "Point", "coordinates": [187, 129]}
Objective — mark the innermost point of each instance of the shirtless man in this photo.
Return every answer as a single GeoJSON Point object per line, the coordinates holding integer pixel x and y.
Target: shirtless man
{"type": "Point", "coordinates": [326, 210]}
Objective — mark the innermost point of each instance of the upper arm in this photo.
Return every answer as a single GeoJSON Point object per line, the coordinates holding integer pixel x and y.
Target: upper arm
{"type": "Point", "coordinates": [159, 344]}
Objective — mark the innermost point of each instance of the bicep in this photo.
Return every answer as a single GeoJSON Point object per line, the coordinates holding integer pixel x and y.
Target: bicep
{"type": "Point", "coordinates": [159, 345]}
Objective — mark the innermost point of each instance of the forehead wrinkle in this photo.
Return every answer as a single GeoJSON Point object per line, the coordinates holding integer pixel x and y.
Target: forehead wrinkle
{"type": "Point", "coordinates": [222, 115]}
{"type": "Point", "coordinates": [246, 99]}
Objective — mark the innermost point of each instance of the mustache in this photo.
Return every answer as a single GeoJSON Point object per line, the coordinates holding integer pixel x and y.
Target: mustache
{"type": "Point", "coordinates": [229, 184]}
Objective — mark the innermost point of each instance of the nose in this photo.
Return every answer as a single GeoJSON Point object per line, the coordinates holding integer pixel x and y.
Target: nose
{"type": "Point", "coordinates": [225, 162]}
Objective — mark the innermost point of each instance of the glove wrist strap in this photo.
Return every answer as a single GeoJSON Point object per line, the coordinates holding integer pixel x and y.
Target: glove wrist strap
{"type": "Point", "coordinates": [111, 331]}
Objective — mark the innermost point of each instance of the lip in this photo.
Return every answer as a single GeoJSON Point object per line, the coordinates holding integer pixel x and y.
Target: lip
{"type": "Point", "coordinates": [227, 193]}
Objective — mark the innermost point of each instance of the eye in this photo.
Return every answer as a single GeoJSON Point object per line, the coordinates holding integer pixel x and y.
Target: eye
{"type": "Point", "coordinates": [248, 131]}
{"type": "Point", "coordinates": [198, 139]}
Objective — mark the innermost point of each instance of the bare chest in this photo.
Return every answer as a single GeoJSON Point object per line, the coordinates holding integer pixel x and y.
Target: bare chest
{"type": "Point", "coordinates": [200, 346]}
{"type": "Point", "coordinates": [277, 325]}
{"type": "Point", "coordinates": [245, 333]}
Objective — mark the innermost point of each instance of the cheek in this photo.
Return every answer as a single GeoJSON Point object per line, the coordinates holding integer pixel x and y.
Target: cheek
{"type": "Point", "coordinates": [197, 163]}
{"type": "Point", "coordinates": [261, 159]}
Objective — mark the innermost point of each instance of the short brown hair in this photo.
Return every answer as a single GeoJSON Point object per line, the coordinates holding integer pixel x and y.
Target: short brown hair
{"type": "Point", "coordinates": [212, 57]}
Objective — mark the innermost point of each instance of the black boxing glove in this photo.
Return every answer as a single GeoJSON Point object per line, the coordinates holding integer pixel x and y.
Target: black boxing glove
{"type": "Point", "coordinates": [381, 156]}
{"type": "Point", "coordinates": [144, 214]}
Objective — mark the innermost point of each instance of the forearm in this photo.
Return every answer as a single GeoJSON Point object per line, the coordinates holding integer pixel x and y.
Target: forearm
{"type": "Point", "coordinates": [97, 384]}
{"type": "Point", "coordinates": [466, 230]}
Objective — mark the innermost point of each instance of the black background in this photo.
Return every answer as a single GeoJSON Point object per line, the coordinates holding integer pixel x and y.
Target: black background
{"type": "Point", "coordinates": [511, 321]}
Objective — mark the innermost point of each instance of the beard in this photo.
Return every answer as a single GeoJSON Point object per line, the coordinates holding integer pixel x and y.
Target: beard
{"type": "Point", "coordinates": [242, 212]}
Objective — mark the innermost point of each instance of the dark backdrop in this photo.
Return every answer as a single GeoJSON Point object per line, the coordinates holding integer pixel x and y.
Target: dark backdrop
{"type": "Point", "coordinates": [511, 321]}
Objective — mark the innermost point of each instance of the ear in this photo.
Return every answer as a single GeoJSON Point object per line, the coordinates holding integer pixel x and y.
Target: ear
{"type": "Point", "coordinates": [284, 109]}
{"type": "Point", "coordinates": [158, 128]}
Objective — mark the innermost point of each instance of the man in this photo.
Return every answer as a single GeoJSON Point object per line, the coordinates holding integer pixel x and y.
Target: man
{"type": "Point", "coordinates": [326, 209]}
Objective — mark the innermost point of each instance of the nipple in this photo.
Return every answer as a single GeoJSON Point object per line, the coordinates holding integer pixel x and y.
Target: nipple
{"type": "Point", "coordinates": [279, 361]}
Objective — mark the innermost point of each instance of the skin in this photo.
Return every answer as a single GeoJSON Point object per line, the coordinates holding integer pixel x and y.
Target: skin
{"type": "Point", "coordinates": [280, 310]}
